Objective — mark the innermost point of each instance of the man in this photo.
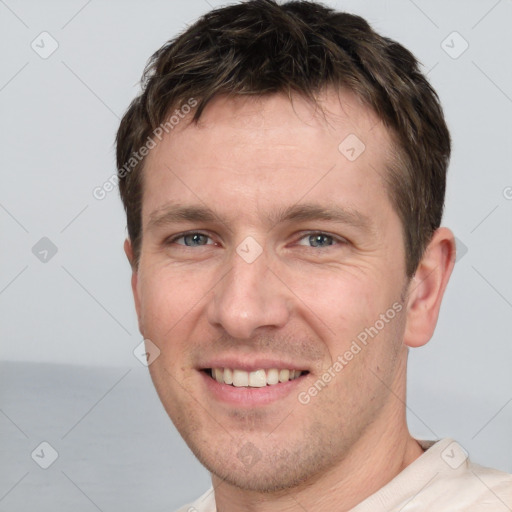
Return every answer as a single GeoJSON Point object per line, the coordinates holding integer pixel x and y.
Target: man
{"type": "Point", "coordinates": [283, 174]}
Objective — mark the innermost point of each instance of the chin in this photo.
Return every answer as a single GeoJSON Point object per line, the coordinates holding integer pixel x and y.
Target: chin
{"type": "Point", "coordinates": [271, 470]}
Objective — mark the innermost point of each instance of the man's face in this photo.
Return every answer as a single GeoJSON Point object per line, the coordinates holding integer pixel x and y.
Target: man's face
{"type": "Point", "coordinates": [268, 246]}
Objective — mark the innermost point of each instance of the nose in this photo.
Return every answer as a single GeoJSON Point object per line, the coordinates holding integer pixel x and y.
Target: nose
{"type": "Point", "coordinates": [249, 296]}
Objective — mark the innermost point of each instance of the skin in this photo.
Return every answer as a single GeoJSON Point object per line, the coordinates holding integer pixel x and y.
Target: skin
{"type": "Point", "coordinates": [300, 302]}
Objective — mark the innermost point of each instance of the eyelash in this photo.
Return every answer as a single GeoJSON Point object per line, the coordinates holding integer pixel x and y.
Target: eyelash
{"type": "Point", "coordinates": [336, 240]}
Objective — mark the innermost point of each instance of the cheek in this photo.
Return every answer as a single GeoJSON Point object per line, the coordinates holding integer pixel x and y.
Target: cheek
{"type": "Point", "coordinates": [346, 308]}
{"type": "Point", "coordinates": [343, 301]}
{"type": "Point", "coordinates": [169, 301]}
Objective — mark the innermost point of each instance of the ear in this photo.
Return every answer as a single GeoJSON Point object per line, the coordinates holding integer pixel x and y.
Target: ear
{"type": "Point", "coordinates": [128, 250]}
{"type": "Point", "coordinates": [426, 288]}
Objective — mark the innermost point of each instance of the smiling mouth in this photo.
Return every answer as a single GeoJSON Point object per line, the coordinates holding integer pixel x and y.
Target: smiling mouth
{"type": "Point", "coordinates": [255, 379]}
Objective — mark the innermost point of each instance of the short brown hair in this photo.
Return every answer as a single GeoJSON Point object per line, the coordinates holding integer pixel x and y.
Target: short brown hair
{"type": "Point", "coordinates": [259, 47]}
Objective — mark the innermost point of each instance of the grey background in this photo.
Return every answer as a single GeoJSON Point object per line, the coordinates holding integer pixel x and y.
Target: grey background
{"type": "Point", "coordinates": [68, 327]}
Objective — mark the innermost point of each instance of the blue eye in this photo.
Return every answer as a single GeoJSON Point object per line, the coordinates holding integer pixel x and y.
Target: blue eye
{"type": "Point", "coordinates": [318, 240]}
{"type": "Point", "coordinates": [192, 239]}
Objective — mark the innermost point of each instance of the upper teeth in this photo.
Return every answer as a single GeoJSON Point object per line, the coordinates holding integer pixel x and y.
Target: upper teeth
{"type": "Point", "coordinates": [256, 379]}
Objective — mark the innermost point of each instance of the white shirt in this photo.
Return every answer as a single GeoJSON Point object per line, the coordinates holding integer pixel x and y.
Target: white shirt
{"type": "Point", "coordinates": [443, 479]}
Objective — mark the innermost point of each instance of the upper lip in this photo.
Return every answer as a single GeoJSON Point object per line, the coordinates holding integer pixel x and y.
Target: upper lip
{"type": "Point", "coordinates": [250, 364]}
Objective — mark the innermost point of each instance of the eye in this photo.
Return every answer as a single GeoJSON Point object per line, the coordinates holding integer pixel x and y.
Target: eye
{"type": "Point", "coordinates": [193, 239]}
{"type": "Point", "coordinates": [319, 240]}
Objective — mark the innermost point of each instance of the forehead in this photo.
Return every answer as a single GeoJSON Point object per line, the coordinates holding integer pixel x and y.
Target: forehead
{"type": "Point", "coordinates": [249, 154]}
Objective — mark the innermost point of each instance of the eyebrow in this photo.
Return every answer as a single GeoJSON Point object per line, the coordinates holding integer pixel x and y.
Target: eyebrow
{"type": "Point", "coordinates": [170, 214]}
{"type": "Point", "coordinates": [175, 213]}
{"type": "Point", "coordinates": [314, 212]}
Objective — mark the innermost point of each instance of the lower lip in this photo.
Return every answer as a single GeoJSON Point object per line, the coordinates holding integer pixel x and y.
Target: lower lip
{"type": "Point", "coordinates": [250, 397]}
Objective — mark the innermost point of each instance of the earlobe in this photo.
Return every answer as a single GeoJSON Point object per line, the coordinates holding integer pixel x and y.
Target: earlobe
{"type": "Point", "coordinates": [427, 287]}
{"type": "Point", "coordinates": [128, 249]}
